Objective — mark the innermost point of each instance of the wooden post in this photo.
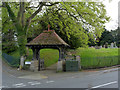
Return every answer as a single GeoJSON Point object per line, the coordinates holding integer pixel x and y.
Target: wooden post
{"type": "Point", "coordinates": [39, 61]}
{"type": "Point", "coordinates": [59, 54]}
{"type": "Point", "coordinates": [37, 53]}
{"type": "Point", "coordinates": [34, 53]}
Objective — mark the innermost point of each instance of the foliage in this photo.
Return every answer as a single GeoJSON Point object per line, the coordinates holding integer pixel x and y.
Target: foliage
{"type": "Point", "coordinates": [73, 21]}
{"type": "Point", "coordinates": [106, 37]}
{"type": "Point", "coordinates": [116, 36]}
{"type": "Point", "coordinates": [109, 37]}
{"type": "Point", "coordinates": [9, 42]}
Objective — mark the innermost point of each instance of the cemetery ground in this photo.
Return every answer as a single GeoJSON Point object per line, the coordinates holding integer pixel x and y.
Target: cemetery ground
{"type": "Point", "coordinates": [89, 57]}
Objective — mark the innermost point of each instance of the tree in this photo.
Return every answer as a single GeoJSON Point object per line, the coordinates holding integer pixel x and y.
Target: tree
{"type": "Point", "coordinates": [71, 18]}
{"type": "Point", "coordinates": [22, 24]}
{"type": "Point", "coordinates": [9, 42]}
{"type": "Point", "coordinates": [106, 38]}
{"type": "Point", "coordinates": [75, 22]}
{"type": "Point", "coordinates": [116, 36]}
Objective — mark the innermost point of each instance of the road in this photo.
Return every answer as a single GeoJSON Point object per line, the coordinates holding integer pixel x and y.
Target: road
{"type": "Point", "coordinates": [89, 80]}
{"type": "Point", "coordinates": [102, 79]}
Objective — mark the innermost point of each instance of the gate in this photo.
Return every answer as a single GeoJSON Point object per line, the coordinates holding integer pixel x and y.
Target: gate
{"type": "Point", "coordinates": [41, 65]}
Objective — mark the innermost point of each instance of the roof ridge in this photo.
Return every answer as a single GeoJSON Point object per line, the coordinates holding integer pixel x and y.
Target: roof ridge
{"type": "Point", "coordinates": [50, 38]}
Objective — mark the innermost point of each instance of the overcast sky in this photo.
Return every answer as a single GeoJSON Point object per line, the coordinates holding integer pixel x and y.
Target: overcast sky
{"type": "Point", "coordinates": [112, 11]}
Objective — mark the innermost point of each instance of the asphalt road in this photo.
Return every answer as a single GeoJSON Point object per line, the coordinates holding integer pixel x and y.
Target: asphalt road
{"type": "Point", "coordinates": [101, 79]}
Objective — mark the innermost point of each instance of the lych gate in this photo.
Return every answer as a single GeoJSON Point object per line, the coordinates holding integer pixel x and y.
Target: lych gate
{"type": "Point", "coordinates": [47, 39]}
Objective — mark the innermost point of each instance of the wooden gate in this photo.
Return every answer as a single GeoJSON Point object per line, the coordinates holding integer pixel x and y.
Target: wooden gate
{"type": "Point", "coordinates": [41, 65]}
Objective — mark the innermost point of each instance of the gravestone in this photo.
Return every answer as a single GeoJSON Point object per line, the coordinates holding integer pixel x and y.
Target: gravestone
{"type": "Point", "coordinates": [115, 45]}
{"type": "Point", "coordinates": [106, 45]}
{"type": "Point", "coordinates": [112, 45]}
{"type": "Point", "coordinates": [100, 47]}
{"type": "Point", "coordinates": [97, 47]}
{"type": "Point", "coordinates": [103, 46]}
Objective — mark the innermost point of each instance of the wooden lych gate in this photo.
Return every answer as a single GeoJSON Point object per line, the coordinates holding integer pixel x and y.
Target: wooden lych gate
{"type": "Point", "coordinates": [47, 39]}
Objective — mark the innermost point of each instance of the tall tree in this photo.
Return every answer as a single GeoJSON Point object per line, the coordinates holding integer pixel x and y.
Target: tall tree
{"type": "Point", "coordinates": [75, 22]}
{"type": "Point", "coordinates": [70, 18]}
{"type": "Point", "coordinates": [9, 42]}
{"type": "Point", "coordinates": [21, 24]}
{"type": "Point", "coordinates": [106, 37]}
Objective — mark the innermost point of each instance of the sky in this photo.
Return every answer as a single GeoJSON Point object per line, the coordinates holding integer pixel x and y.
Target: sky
{"type": "Point", "coordinates": [112, 11]}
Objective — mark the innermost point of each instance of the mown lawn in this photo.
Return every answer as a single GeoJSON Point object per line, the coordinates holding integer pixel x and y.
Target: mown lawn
{"type": "Point", "coordinates": [95, 58]}
{"type": "Point", "coordinates": [90, 57]}
{"type": "Point", "coordinates": [50, 56]}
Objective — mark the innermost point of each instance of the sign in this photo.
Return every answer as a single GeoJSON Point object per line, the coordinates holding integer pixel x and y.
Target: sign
{"type": "Point", "coordinates": [27, 62]}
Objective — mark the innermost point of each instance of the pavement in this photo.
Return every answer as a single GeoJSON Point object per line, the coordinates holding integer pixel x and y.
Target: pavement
{"type": "Point", "coordinates": [49, 78]}
{"type": "Point", "coordinates": [50, 72]}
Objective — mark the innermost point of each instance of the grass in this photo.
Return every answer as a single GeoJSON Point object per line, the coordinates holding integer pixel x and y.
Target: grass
{"type": "Point", "coordinates": [95, 58]}
{"type": "Point", "coordinates": [90, 57]}
{"type": "Point", "coordinates": [50, 56]}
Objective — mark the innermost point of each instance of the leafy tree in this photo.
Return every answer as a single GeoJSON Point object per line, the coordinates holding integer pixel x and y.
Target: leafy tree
{"type": "Point", "coordinates": [106, 38]}
{"type": "Point", "coordinates": [75, 22]}
{"type": "Point", "coordinates": [69, 19]}
{"type": "Point", "coordinates": [116, 36]}
{"type": "Point", "coordinates": [9, 42]}
{"type": "Point", "coordinates": [21, 22]}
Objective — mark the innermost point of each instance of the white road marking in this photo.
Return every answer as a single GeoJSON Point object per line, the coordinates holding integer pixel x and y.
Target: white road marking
{"type": "Point", "coordinates": [19, 85]}
{"type": "Point", "coordinates": [50, 81]}
{"type": "Point", "coordinates": [34, 83]}
{"type": "Point", "coordinates": [105, 84]}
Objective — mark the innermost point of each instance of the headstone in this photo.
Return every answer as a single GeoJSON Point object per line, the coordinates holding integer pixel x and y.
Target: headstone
{"type": "Point", "coordinates": [104, 46]}
{"type": "Point", "coordinates": [116, 47]}
{"type": "Point", "coordinates": [59, 66]}
{"type": "Point", "coordinates": [112, 45]}
{"type": "Point", "coordinates": [97, 47]}
{"type": "Point", "coordinates": [100, 47]}
{"type": "Point", "coordinates": [91, 47]}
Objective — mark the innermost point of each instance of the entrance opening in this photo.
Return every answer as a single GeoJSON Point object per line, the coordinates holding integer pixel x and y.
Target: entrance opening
{"type": "Point", "coordinates": [50, 56]}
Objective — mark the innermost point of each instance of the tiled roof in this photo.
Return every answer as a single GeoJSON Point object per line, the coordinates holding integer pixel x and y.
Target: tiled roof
{"type": "Point", "coordinates": [48, 37]}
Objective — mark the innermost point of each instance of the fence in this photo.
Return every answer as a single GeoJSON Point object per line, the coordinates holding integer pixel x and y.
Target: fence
{"type": "Point", "coordinates": [12, 61]}
{"type": "Point", "coordinates": [97, 62]}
